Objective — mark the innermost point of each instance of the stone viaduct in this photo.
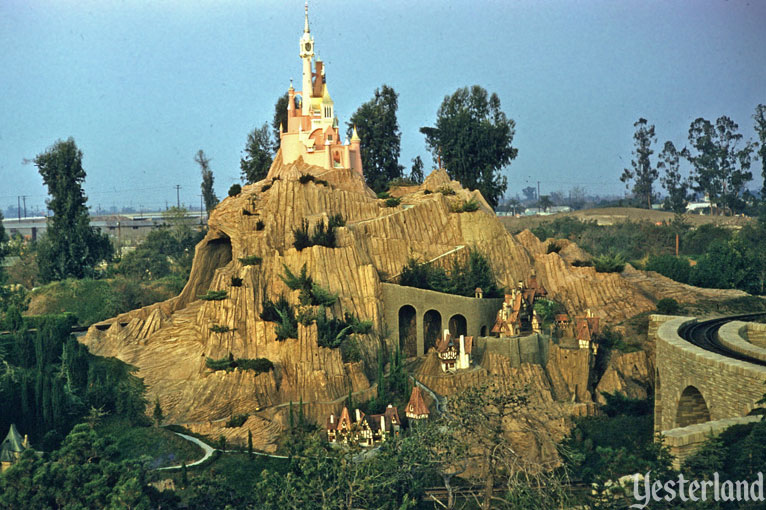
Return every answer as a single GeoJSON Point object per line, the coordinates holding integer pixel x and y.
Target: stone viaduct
{"type": "Point", "coordinates": [699, 393]}
{"type": "Point", "coordinates": [416, 317]}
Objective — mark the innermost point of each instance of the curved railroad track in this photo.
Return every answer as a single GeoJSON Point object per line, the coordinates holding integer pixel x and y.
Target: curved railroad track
{"type": "Point", "coordinates": [704, 335]}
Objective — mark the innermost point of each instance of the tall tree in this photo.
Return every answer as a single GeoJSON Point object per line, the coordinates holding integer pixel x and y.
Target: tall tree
{"type": "Point", "coordinates": [208, 194]}
{"type": "Point", "coordinates": [676, 186]}
{"type": "Point", "coordinates": [530, 193]}
{"type": "Point", "coordinates": [416, 172]}
{"type": "Point", "coordinates": [71, 247]}
{"type": "Point", "coordinates": [280, 119]}
{"type": "Point", "coordinates": [473, 137]}
{"type": "Point", "coordinates": [643, 173]}
{"type": "Point", "coordinates": [376, 124]}
{"type": "Point", "coordinates": [3, 248]}
{"type": "Point", "coordinates": [721, 167]}
{"type": "Point", "coordinates": [258, 155]}
{"type": "Point", "coordinates": [760, 129]}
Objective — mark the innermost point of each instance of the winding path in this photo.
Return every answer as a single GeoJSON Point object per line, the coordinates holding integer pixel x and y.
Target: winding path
{"type": "Point", "coordinates": [205, 447]}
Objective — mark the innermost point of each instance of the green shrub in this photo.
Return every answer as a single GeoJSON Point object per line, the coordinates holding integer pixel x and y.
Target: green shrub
{"type": "Point", "coordinates": [305, 178]}
{"type": "Point", "coordinates": [426, 191]}
{"type": "Point", "coordinates": [310, 293]}
{"type": "Point", "coordinates": [336, 220]}
{"type": "Point", "coordinates": [236, 282]}
{"type": "Point", "coordinates": [463, 278]}
{"type": "Point", "coordinates": [321, 182]}
{"type": "Point", "coordinates": [446, 190]}
{"type": "Point", "coordinates": [668, 306]}
{"type": "Point", "coordinates": [214, 295]}
{"type": "Point", "coordinates": [252, 260]}
{"type": "Point", "coordinates": [266, 187]}
{"type": "Point", "coordinates": [237, 420]}
{"type": "Point", "coordinates": [224, 363]}
{"type": "Point", "coordinates": [258, 365]}
{"type": "Point", "coordinates": [675, 268]}
{"type": "Point", "coordinates": [383, 195]}
{"type": "Point", "coordinates": [553, 247]}
{"type": "Point", "coordinates": [393, 202]}
{"type": "Point", "coordinates": [324, 235]}
{"type": "Point", "coordinates": [614, 263]}
{"type": "Point", "coordinates": [582, 263]}
{"type": "Point", "coordinates": [470, 206]}
{"type": "Point", "coordinates": [215, 328]}
{"type": "Point", "coordinates": [402, 181]}
{"type": "Point", "coordinates": [235, 190]}
{"type": "Point", "coordinates": [269, 309]}
{"type": "Point", "coordinates": [301, 237]}
{"type": "Point", "coordinates": [245, 212]}
{"type": "Point", "coordinates": [259, 225]}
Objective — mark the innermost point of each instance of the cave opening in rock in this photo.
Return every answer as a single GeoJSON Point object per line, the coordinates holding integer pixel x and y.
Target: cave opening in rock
{"type": "Point", "coordinates": [408, 334]}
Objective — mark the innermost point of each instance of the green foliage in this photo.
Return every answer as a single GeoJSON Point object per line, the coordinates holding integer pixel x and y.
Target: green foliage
{"type": "Point", "coordinates": [473, 136]}
{"type": "Point", "coordinates": [214, 295]}
{"type": "Point", "coordinates": [378, 128]}
{"type": "Point", "coordinates": [306, 178]}
{"type": "Point", "coordinates": [225, 363]}
{"type": "Point", "coordinates": [216, 328]}
{"type": "Point", "coordinates": [726, 266]}
{"type": "Point", "coordinates": [323, 235]}
{"type": "Point", "coordinates": [609, 263]}
{"type": "Point", "coordinates": [547, 309]}
{"type": "Point", "coordinates": [266, 187]}
{"type": "Point", "coordinates": [445, 190]}
{"type": "Point", "coordinates": [465, 206]}
{"type": "Point", "coordinates": [676, 186]}
{"type": "Point", "coordinates": [83, 473]}
{"type": "Point", "coordinates": [237, 420]}
{"type": "Point", "coordinates": [70, 247]}
{"type": "Point", "coordinates": [675, 268]}
{"type": "Point", "coordinates": [643, 173]}
{"type": "Point", "coordinates": [257, 365]}
{"type": "Point", "coordinates": [416, 172]}
{"type": "Point", "coordinates": [260, 225]}
{"type": "Point", "coordinates": [668, 306]}
{"type": "Point", "coordinates": [157, 412]}
{"type": "Point", "coordinates": [258, 155]}
{"type": "Point", "coordinates": [721, 166]}
{"type": "Point", "coordinates": [463, 278]}
{"type": "Point", "coordinates": [760, 129]}
{"type": "Point", "coordinates": [553, 247]}
{"type": "Point", "coordinates": [393, 202]}
{"type": "Point", "coordinates": [311, 294]}
{"type": "Point", "coordinates": [235, 190]}
{"type": "Point", "coordinates": [383, 195]}
{"type": "Point", "coordinates": [166, 251]}
{"type": "Point", "coordinates": [270, 310]}
{"type": "Point", "coordinates": [236, 282]}
{"type": "Point", "coordinates": [279, 121]}
{"type": "Point", "coordinates": [93, 301]}
{"type": "Point", "coordinates": [252, 260]}
{"type": "Point", "coordinates": [208, 194]}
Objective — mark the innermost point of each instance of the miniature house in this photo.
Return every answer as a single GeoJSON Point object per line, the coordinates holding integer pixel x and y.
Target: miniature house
{"type": "Point", "coordinates": [416, 408]}
{"type": "Point", "coordinates": [12, 447]}
{"type": "Point", "coordinates": [454, 355]}
{"type": "Point", "coordinates": [365, 429]}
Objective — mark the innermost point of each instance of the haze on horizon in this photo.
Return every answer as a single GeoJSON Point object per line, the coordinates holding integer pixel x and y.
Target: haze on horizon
{"type": "Point", "coordinates": [142, 85]}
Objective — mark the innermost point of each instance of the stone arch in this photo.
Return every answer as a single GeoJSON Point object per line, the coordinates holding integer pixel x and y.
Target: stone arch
{"type": "Point", "coordinates": [408, 333]}
{"type": "Point", "coordinates": [692, 408]}
{"type": "Point", "coordinates": [458, 325]}
{"type": "Point", "coordinates": [432, 329]}
{"type": "Point", "coordinates": [484, 330]}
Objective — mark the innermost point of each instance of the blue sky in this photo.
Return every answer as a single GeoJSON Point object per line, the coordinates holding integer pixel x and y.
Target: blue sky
{"type": "Point", "coordinates": [142, 85]}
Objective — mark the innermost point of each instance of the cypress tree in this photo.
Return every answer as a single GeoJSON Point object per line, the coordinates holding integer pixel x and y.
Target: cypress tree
{"type": "Point", "coordinates": [250, 444]}
{"type": "Point", "coordinates": [184, 475]}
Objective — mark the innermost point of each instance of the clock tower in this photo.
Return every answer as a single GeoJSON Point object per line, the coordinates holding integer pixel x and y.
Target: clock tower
{"type": "Point", "coordinates": [307, 55]}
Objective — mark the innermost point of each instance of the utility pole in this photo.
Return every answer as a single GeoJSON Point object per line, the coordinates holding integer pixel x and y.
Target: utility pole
{"type": "Point", "coordinates": [178, 195]}
{"type": "Point", "coordinates": [18, 207]}
{"type": "Point", "coordinates": [24, 198]}
{"type": "Point", "coordinates": [538, 191]}
{"type": "Point", "coordinates": [200, 209]}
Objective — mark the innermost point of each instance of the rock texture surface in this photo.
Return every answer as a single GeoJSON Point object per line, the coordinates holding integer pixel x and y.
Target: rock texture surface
{"type": "Point", "coordinates": [170, 341]}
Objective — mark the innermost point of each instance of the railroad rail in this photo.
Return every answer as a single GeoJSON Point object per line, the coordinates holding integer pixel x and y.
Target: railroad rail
{"type": "Point", "coordinates": [704, 335]}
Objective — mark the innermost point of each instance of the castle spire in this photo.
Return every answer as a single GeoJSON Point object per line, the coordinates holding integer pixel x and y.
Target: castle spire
{"type": "Point", "coordinates": [306, 24]}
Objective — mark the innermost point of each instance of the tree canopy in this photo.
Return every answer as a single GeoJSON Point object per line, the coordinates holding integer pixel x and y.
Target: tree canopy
{"type": "Point", "coordinates": [643, 173]}
{"type": "Point", "coordinates": [258, 155]}
{"type": "Point", "coordinates": [721, 166]}
{"type": "Point", "coordinates": [676, 186]}
{"type": "Point", "coordinates": [280, 119]}
{"type": "Point", "coordinates": [377, 126]}
{"type": "Point", "coordinates": [71, 247]}
{"type": "Point", "coordinates": [760, 129]}
{"type": "Point", "coordinates": [208, 194]}
{"type": "Point", "coordinates": [473, 136]}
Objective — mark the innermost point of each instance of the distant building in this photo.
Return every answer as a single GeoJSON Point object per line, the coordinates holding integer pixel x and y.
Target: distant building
{"type": "Point", "coordinates": [580, 331]}
{"type": "Point", "coordinates": [12, 447]}
{"type": "Point", "coordinates": [416, 408]}
{"type": "Point", "coordinates": [517, 312]}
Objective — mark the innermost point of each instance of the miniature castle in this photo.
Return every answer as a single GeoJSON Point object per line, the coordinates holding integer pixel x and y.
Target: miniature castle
{"type": "Point", "coordinates": [12, 447]}
{"type": "Point", "coordinates": [517, 313]}
{"type": "Point", "coordinates": [366, 430]}
{"type": "Point", "coordinates": [454, 357]}
{"type": "Point", "coordinates": [312, 128]}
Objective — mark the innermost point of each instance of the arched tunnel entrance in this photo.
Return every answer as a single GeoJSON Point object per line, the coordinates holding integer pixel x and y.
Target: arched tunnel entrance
{"type": "Point", "coordinates": [692, 408]}
{"type": "Point", "coordinates": [458, 325]}
{"type": "Point", "coordinates": [432, 329]}
{"type": "Point", "coordinates": [408, 333]}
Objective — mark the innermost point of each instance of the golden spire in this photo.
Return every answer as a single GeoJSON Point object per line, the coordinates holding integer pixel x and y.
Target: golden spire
{"type": "Point", "coordinates": [355, 136]}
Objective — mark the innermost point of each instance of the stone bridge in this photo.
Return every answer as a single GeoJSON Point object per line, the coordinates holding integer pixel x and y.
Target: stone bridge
{"type": "Point", "coordinates": [699, 393]}
{"type": "Point", "coordinates": [416, 317]}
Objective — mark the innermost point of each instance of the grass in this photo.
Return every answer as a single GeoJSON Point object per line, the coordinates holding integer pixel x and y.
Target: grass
{"type": "Point", "coordinates": [93, 301]}
{"type": "Point", "coordinates": [163, 446]}
{"type": "Point", "coordinates": [240, 472]}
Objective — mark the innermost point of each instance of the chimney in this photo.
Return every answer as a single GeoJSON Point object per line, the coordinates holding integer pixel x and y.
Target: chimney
{"type": "Point", "coordinates": [332, 419]}
{"type": "Point", "coordinates": [358, 415]}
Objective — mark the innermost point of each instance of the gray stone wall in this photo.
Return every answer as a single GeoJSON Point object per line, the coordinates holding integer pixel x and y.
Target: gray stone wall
{"type": "Point", "coordinates": [478, 313]}
{"type": "Point", "coordinates": [526, 349]}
